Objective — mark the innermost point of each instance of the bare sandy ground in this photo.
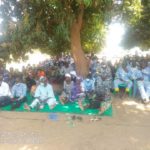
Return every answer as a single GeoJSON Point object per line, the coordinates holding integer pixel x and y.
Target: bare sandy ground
{"type": "Point", "coordinates": [128, 129]}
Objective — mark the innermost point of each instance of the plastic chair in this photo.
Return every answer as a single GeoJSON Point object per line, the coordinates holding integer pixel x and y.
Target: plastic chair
{"type": "Point", "coordinates": [124, 86]}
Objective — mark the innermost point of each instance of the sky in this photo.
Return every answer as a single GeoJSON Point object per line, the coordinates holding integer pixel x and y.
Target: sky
{"type": "Point", "coordinates": [113, 38]}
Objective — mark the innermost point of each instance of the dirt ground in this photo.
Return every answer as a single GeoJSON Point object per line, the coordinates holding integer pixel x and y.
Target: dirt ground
{"type": "Point", "coordinates": [128, 129]}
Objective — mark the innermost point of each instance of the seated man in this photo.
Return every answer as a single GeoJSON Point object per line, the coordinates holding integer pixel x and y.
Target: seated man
{"type": "Point", "coordinates": [144, 84]}
{"type": "Point", "coordinates": [43, 94]}
{"type": "Point", "coordinates": [122, 77]}
{"type": "Point", "coordinates": [77, 93]}
{"type": "Point", "coordinates": [30, 81]}
{"type": "Point", "coordinates": [19, 91]}
{"type": "Point", "coordinates": [66, 68]}
{"type": "Point", "coordinates": [134, 75]}
{"type": "Point", "coordinates": [5, 93]}
{"type": "Point", "coordinates": [146, 74]}
{"type": "Point", "coordinates": [103, 80]}
{"type": "Point", "coordinates": [99, 103]}
{"type": "Point", "coordinates": [66, 94]}
{"type": "Point", "coordinates": [103, 85]}
{"type": "Point", "coordinates": [88, 86]}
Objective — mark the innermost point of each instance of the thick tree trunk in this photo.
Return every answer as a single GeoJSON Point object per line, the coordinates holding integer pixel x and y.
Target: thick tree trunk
{"type": "Point", "coordinates": [76, 48]}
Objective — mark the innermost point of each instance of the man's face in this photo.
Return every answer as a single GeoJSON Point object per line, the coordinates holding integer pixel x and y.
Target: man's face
{"type": "Point", "coordinates": [17, 79]}
{"type": "Point", "coordinates": [43, 82]}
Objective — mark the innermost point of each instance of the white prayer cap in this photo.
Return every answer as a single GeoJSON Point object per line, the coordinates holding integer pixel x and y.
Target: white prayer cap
{"type": "Point", "coordinates": [67, 75]}
{"type": "Point", "coordinates": [73, 73]}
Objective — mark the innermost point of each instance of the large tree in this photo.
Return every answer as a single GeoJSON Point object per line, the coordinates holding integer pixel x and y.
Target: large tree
{"type": "Point", "coordinates": [55, 26]}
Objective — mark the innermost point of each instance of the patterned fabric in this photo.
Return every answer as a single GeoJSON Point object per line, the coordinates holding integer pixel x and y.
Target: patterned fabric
{"type": "Point", "coordinates": [76, 91]}
{"type": "Point", "coordinates": [135, 74]}
{"type": "Point", "coordinates": [146, 73]}
{"type": "Point", "coordinates": [105, 73]}
{"type": "Point", "coordinates": [66, 94]}
{"type": "Point", "coordinates": [121, 74]}
{"type": "Point", "coordinates": [68, 87]}
{"type": "Point", "coordinates": [19, 90]}
{"type": "Point", "coordinates": [103, 83]}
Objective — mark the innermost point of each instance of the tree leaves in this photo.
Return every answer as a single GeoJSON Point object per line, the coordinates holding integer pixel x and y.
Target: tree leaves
{"type": "Point", "coordinates": [138, 33]}
{"type": "Point", "coordinates": [46, 24]}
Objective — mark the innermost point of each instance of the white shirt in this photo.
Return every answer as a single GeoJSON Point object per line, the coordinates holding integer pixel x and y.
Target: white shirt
{"type": "Point", "coordinates": [71, 60]}
{"type": "Point", "coordinates": [44, 92]}
{"type": "Point", "coordinates": [4, 89]}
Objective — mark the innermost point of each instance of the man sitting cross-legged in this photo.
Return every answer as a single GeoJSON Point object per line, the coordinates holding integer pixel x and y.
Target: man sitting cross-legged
{"type": "Point", "coordinates": [43, 94]}
{"type": "Point", "coordinates": [19, 91]}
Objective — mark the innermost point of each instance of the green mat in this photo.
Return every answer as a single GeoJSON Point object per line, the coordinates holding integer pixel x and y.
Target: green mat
{"type": "Point", "coordinates": [72, 108]}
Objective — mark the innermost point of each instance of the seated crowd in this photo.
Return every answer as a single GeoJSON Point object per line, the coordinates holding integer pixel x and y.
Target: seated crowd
{"type": "Point", "coordinates": [92, 92]}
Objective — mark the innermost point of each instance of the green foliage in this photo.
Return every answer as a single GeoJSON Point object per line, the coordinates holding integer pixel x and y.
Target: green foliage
{"type": "Point", "coordinates": [131, 11]}
{"type": "Point", "coordinates": [138, 23]}
{"type": "Point", "coordinates": [46, 24]}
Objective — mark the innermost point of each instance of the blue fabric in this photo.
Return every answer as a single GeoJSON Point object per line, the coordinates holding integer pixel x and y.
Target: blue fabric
{"type": "Point", "coordinates": [19, 90]}
{"type": "Point", "coordinates": [135, 74]}
{"type": "Point", "coordinates": [88, 85]}
{"type": "Point", "coordinates": [146, 73]}
{"type": "Point", "coordinates": [121, 74]}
